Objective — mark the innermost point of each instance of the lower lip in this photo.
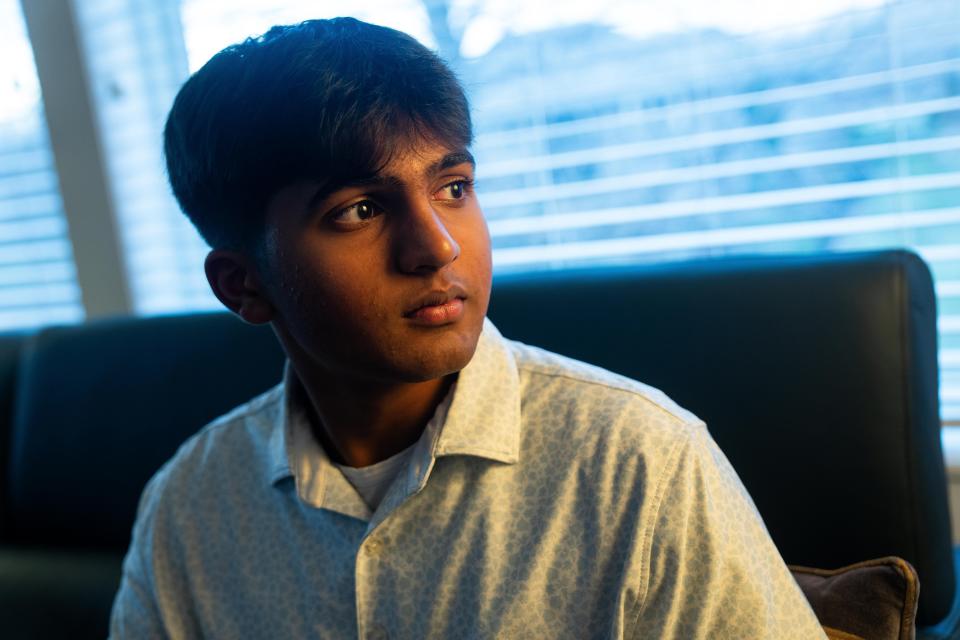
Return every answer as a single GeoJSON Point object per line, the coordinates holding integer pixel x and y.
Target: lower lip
{"type": "Point", "coordinates": [439, 314]}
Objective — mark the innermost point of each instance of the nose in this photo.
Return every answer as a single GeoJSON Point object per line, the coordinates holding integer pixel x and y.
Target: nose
{"type": "Point", "coordinates": [424, 243]}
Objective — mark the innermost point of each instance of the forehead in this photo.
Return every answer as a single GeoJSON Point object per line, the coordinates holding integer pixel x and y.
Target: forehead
{"type": "Point", "coordinates": [424, 157]}
{"type": "Point", "coordinates": [405, 165]}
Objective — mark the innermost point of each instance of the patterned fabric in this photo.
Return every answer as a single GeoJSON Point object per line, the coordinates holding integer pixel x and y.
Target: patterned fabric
{"type": "Point", "coordinates": [557, 500]}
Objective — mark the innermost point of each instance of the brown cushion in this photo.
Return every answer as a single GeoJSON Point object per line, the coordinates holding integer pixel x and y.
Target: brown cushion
{"type": "Point", "coordinates": [876, 599]}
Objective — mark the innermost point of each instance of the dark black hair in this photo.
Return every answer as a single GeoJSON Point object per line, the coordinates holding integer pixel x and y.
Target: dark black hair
{"type": "Point", "coordinates": [325, 100]}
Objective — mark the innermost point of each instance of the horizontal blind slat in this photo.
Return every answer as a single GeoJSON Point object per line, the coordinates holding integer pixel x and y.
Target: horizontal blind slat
{"type": "Point", "coordinates": [37, 275]}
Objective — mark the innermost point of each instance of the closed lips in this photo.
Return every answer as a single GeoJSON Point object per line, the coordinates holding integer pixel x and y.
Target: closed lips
{"type": "Point", "coordinates": [436, 298]}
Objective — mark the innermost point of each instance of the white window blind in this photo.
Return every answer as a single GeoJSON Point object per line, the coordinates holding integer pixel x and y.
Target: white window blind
{"type": "Point", "coordinates": [37, 275]}
{"type": "Point", "coordinates": [136, 59]}
{"type": "Point", "coordinates": [616, 132]}
{"type": "Point", "coordinates": [139, 52]}
{"type": "Point", "coordinates": [841, 133]}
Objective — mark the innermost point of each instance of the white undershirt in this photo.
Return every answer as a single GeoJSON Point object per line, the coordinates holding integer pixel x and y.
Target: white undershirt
{"type": "Point", "coordinates": [373, 481]}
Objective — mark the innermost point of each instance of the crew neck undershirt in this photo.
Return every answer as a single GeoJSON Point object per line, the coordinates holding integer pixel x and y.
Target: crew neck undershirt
{"type": "Point", "coordinates": [373, 481]}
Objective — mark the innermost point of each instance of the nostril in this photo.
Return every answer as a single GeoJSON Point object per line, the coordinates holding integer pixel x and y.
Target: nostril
{"type": "Point", "coordinates": [425, 243]}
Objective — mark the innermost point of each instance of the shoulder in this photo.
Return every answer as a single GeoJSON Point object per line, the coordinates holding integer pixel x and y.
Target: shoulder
{"type": "Point", "coordinates": [242, 432]}
{"type": "Point", "coordinates": [209, 462]}
{"type": "Point", "coordinates": [598, 413]}
{"type": "Point", "coordinates": [586, 383]}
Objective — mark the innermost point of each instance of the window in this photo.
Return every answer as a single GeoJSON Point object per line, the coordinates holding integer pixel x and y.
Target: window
{"type": "Point", "coordinates": [139, 53]}
{"type": "Point", "coordinates": [614, 132]}
{"type": "Point", "coordinates": [37, 275]}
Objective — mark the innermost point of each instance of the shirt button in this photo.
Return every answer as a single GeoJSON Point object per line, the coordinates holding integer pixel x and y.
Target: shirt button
{"type": "Point", "coordinates": [378, 632]}
{"type": "Point", "coordinates": [373, 547]}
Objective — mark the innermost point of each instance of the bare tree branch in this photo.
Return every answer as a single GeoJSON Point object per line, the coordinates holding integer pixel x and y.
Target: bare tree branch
{"type": "Point", "coordinates": [448, 42]}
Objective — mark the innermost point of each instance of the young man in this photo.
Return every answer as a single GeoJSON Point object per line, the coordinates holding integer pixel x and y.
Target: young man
{"type": "Point", "coordinates": [416, 475]}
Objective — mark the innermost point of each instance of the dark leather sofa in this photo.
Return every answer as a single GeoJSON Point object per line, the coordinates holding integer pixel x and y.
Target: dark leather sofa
{"type": "Point", "coordinates": [816, 375]}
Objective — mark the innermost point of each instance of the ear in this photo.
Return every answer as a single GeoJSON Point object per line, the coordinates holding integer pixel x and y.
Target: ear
{"type": "Point", "coordinates": [236, 283]}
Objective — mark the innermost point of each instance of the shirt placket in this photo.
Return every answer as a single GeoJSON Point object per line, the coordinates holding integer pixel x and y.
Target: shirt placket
{"type": "Point", "coordinates": [370, 566]}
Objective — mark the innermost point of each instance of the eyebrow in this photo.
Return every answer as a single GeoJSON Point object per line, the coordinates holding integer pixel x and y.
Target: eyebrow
{"type": "Point", "coordinates": [452, 159]}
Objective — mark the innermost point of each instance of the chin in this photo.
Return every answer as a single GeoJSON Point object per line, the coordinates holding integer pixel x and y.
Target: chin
{"type": "Point", "coordinates": [439, 360]}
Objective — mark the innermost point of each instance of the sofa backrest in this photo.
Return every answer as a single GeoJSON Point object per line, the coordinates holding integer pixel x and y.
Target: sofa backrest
{"type": "Point", "coordinates": [10, 347]}
{"type": "Point", "coordinates": [817, 376]}
{"type": "Point", "coordinates": [100, 407]}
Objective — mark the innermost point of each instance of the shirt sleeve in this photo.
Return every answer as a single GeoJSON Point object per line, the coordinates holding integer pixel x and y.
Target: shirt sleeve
{"type": "Point", "coordinates": [135, 612]}
{"type": "Point", "coordinates": [713, 571]}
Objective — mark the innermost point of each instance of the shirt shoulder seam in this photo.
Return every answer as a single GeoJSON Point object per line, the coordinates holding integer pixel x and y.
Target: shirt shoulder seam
{"type": "Point", "coordinates": [238, 414]}
{"type": "Point", "coordinates": [613, 386]}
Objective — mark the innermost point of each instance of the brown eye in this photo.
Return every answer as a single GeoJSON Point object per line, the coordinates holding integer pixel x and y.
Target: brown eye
{"type": "Point", "coordinates": [357, 213]}
{"type": "Point", "coordinates": [456, 190]}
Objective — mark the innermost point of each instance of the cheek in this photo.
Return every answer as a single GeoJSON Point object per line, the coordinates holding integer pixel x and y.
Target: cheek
{"type": "Point", "coordinates": [340, 301]}
{"type": "Point", "coordinates": [302, 289]}
{"type": "Point", "coordinates": [480, 258]}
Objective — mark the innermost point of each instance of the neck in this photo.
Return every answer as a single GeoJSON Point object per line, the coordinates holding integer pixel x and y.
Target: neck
{"type": "Point", "coordinates": [360, 424]}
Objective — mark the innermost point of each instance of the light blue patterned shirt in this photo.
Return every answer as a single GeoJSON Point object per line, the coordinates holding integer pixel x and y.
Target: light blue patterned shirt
{"type": "Point", "coordinates": [556, 500]}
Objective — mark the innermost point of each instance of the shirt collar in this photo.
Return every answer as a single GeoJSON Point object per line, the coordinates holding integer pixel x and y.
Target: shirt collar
{"type": "Point", "coordinates": [483, 419]}
{"type": "Point", "coordinates": [290, 417]}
